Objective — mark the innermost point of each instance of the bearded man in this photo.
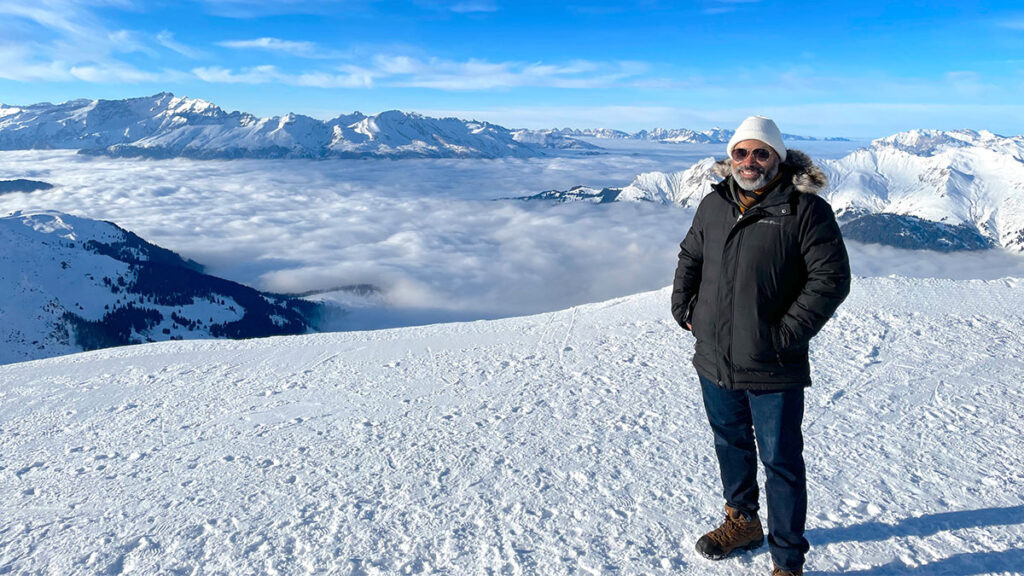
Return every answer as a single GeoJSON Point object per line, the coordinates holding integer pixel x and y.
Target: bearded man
{"type": "Point", "coordinates": [761, 270]}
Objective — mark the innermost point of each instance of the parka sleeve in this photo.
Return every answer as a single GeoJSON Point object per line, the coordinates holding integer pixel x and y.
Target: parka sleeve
{"type": "Point", "coordinates": [688, 272]}
{"type": "Point", "coordinates": [828, 278]}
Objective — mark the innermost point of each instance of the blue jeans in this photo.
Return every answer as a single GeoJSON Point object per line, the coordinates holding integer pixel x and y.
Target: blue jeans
{"type": "Point", "coordinates": [738, 418]}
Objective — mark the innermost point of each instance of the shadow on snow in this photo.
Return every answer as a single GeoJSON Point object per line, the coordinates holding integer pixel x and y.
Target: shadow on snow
{"type": "Point", "coordinates": [962, 564]}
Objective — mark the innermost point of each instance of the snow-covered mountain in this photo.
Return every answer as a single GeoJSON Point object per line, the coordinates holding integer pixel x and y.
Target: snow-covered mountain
{"type": "Point", "coordinates": [963, 180]}
{"type": "Point", "coordinates": [566, 443]}
{"type": "Point", "coordinates": [684, 188]}
{"type": "Point", "coordinates": [164, 125]}
{"type": "Point", "coordinates": [923, 189]}
{"type": "Point", "coordinates": [551, 139]}
{"type": "Point", "coordinates": [714, 135]}
{"type": "Point", "coordinates": [670, 135]}
{"type": "Point", "coordinates": [577, 194]}
{"type": "Point", "coordinates": [72, 284]}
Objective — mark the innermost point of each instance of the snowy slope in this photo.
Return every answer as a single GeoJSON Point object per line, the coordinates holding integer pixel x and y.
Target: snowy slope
{"type": "Point", "coordinates": [969, 178]}
{"type": "Point", "coordinates": [552, 139]}
{"type": "Point", "coordinates": [71, 284]}
{"type": "Point", "coordinates": [685, 188]}
{"type": "Point", "coordinates": [564, 443]}
{"type": "Point", "coordinates": [401, 134]}
{"type": "Point", "coordinates": [581, 194]}
{"type": "Point", "coordinates": [164, 125]}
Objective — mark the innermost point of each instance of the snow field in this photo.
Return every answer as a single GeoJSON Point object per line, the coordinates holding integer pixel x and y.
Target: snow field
{"type": "Point", "coordinates": [565, 443]}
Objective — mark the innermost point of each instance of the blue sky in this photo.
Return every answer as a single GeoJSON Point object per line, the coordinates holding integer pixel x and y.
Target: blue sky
{"type": "Point", "coordinates": [820, 68]}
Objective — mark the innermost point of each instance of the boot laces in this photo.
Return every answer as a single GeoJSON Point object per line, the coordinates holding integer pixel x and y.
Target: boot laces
{"type": "Point", "coordinates": [729, 531]}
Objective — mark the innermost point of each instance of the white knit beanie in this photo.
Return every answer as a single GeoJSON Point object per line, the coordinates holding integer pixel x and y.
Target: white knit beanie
{"type": "Point", "coordinates": [759, 128]}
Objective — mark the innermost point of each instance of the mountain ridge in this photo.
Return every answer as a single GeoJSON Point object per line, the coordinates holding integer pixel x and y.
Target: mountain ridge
{"type": "Point", "coordinates": [73, 284]}
{"type": "Point", "coordinates": [165, 126]}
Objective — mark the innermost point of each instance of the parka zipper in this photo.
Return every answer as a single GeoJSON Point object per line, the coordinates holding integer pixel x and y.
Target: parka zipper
{"type": "Point", "coordinates": [735, 270]}
{"type": "Point", "coordinates": [732, 323]}
{"type": "Point", "coordinates": [742, 218]}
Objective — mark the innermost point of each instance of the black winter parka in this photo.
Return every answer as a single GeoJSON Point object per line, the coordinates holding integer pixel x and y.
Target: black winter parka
{"type": "Point", "coordinates": [757, 286]}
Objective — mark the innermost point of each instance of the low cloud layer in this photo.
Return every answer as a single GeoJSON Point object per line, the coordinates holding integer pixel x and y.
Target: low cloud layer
{"type": "Point", "coordinates": [433, 235]}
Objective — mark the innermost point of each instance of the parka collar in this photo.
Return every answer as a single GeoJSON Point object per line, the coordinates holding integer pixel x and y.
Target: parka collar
{"type": "Point", "coordinates": [807, 177]}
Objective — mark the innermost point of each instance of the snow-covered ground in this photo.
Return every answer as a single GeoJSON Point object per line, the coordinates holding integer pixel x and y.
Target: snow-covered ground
{"type": "Point", "coordinates": [571, 442]}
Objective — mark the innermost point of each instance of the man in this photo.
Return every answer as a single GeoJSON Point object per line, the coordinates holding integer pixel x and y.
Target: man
{"type": "Point", "coordinates": [761, 270]}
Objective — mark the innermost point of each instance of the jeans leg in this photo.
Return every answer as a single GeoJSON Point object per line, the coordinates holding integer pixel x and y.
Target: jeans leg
{"type": "Point", "coordinates": [728, 413]}
{"type": "Point", "coordinates": [778, 418]}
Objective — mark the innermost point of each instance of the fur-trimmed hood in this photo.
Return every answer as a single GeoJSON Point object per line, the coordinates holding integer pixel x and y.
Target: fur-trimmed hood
{"type": "Point", "coordinates": [807, 177]}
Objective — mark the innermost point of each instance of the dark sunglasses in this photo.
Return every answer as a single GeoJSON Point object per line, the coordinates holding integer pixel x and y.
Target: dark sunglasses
{"type": "Point", "coordinates": [760, 154]}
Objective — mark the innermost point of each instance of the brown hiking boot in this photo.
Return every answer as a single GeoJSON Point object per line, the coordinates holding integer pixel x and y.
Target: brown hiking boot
{"type": "Point", "coordinates": [780, 572]}
{"type": "Point", "coordinates": [735, 534]}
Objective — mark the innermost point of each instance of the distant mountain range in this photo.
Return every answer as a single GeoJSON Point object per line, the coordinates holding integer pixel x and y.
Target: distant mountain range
{"type": "Point", "coordinates": [168, 126]}
{"type": "Point", "coordinates": [164, 126]}
{"type": "Point", "coordinates": [71, 284]}
{"type": "Point", "coordinates": [922, 189]}
{"type": "Point", "coordinates": [675, 135]}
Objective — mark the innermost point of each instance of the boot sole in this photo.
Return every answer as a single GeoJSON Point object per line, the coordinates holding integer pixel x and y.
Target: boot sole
{"type": "Point", "coordinates": [735, 551]}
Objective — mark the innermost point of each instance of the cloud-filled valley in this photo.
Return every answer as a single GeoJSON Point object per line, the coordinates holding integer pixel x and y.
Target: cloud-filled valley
{"type": "Point", "coordinates": [434, 235]}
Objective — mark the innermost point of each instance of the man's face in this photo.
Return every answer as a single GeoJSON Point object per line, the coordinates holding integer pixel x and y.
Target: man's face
{"type": "Point", "coordinates": [752, 173]}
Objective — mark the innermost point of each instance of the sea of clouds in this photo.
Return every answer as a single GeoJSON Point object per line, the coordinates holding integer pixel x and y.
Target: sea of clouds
{"type": "Point", "coordinates": [439, 239]}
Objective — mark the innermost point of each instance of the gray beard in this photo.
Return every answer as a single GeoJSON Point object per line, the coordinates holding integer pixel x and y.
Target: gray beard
{"type": "Point", "coordinates": [761, 181]}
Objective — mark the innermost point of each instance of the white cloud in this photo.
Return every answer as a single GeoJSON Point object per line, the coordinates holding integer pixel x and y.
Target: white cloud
{"type": "Point", "coordinates": [966, 83]}
{"type": "Point", "coordinates": [306, 49]}
{"type": "Point", "coordinates": [398, 64]}
{"type": "Point", "coordinates": [540, 117]}
{"type": "Point", "coordinates": [68, 17]}
{"type": "Point", "coordinates": [726, 6]}
{"type": "Point", "coordinates": [68, 42]}
{"type": "Point", "coordinates": [878, 260]}
{"type": "Point", "coordinates": [22, 65]}
{"type": "Point", "coordinates": [126, 41]}
{"type": "Point", "coordinates": [477, 74]}
{"type": "Point", "coordinates": [474, 6]}
{"type": "Point", "coordinates": [409, 72]}
{"type": "Point", "coordinates": [254, 75]}
{"type": "Point", "coordinates": [350, 77]}
{"type": "Point", "coordinates": [166, 39]}
{"type": "Point", "coordinates": [113, 73]}
{"type": "Point", "coordinates": [298, 225]}
{"type": "Point", "coordinates": [245, 9]}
